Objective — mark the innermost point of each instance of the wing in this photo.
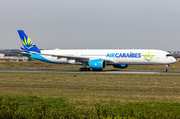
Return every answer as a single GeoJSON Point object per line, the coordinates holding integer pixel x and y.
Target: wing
{"type": "Point", "coordinates": [77, 58]}
{"type": "Point", "coordinates": [81, 59]}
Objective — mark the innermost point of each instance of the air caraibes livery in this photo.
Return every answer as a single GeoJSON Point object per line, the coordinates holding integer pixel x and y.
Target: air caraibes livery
{"type": "Point", "coordinates": [96, 59]}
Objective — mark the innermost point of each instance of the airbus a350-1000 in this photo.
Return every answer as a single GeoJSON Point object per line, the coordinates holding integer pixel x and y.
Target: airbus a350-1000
{"type": "Point", "coordinates": [96, 59]}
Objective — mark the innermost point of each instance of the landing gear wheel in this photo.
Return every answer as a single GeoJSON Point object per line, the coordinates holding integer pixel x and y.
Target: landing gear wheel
{"type": "Point", "coordinates": [84, 69]}
{"type": "Point", "coordinates": [87, 69]}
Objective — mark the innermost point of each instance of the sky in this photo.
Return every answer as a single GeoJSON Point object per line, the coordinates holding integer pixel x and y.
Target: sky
{"type": "Point", "coordinates": [92, 24]}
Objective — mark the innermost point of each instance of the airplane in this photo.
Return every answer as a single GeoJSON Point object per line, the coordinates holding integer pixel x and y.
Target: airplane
{"type": "Point", "coordinates": [96, 59]}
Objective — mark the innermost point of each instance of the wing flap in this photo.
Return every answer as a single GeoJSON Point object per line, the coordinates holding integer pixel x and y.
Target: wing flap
{"type": "Point", "coordinates": [77, 58]}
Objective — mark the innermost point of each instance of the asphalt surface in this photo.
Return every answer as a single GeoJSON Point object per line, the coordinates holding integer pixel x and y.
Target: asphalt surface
{"type": "Point", "coordinates": [77, 71]}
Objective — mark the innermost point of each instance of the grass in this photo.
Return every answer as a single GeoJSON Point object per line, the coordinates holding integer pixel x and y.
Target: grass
{"type": "Point", "coordinates": [85, 90]}
{"type": "Point", "coordinates": [25, 101]}
{"type": "Point", "coordinates": [34, 107]}
{"type": "Point", "coordinates": [44, 65]}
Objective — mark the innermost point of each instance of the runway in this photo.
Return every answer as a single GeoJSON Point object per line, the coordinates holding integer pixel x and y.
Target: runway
{"type": "Point", "coordinates": [97, 72]}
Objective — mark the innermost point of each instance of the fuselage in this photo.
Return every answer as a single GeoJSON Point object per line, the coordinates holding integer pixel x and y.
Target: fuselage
{"type": "Point", "coordinates": [113, 56]}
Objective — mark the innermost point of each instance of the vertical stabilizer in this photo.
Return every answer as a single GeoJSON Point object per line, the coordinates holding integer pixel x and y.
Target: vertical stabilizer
{"type": "Point", "coordinates": [27, 43]}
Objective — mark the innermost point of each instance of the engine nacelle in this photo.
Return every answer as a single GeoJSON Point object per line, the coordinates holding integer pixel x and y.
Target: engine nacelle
{"type": "Point", "coordinates": [97, 64]}
{"type": "Point", "coordinates": [122, 66]}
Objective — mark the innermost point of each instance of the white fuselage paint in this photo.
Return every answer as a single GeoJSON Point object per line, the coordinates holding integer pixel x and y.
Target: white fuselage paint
{"type": "Point", "coordinates": [159, 56]}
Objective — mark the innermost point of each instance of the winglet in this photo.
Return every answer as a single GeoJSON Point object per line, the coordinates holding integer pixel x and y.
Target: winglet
{"type": "Point", "coordinates": [27, 43]}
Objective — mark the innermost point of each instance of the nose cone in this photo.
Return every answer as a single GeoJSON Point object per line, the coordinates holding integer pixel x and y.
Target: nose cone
{"type": "Point", "coordinates": [173, 60]}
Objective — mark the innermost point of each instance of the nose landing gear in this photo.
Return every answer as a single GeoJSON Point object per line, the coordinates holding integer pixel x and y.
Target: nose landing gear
{"type": "Point", "coordinates": [165, 68]}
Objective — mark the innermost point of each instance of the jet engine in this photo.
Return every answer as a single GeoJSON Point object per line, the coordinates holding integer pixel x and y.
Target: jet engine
{"type": "Point", "coordinates": [97, 64]}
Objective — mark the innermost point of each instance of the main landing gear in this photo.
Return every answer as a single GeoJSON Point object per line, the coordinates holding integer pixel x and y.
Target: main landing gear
{"type": "Point", "coordinates": [165, 68]}
{"type": "Point", "coordinates": [84, 69]}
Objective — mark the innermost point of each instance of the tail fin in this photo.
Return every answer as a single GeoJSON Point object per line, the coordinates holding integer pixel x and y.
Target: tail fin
{"type": "Point", "coordinates": [27, 43]}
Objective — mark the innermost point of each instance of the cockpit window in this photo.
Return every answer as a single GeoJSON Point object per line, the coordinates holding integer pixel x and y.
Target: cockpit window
{"type": "Point", "coordinates": [168, 55]}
